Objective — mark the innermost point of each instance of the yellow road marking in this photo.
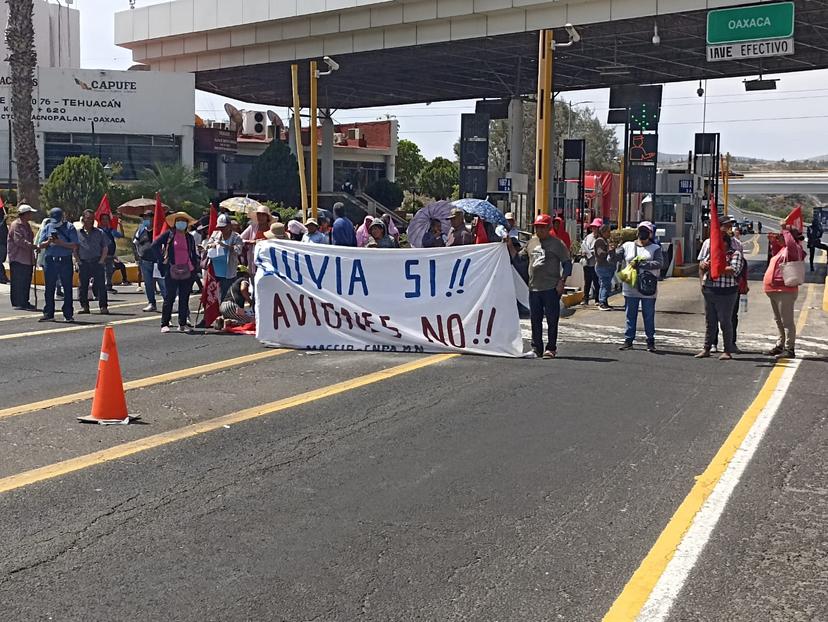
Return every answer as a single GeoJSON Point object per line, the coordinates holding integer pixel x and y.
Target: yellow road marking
{"type": "Point", "coordinates": [638, 589]}
{"type": "Point", "coordinates": [165, 438]}
{"type": "Point", "coordinates": [75, 328]}
{"type": "Point", "coordinates": [141, 383]}
{"type": "Point", "coordinates": [34, 316]}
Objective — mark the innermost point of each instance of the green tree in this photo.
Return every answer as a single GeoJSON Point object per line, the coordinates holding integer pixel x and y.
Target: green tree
{"type": "Point", "coordinates": [77, 184]}
{"type": "Point", "coordinates": [275, 173]}
{"type": "Point", "coordinates": [176, 183]}
{"type": "Point", "coordinates": [410, 163]}
{"type": "Point", "coordinates": [439, 178]}
{"type": "Point", "coordinates": [22, 62]}
{"type": "Point", "coordinates": [386, 192]}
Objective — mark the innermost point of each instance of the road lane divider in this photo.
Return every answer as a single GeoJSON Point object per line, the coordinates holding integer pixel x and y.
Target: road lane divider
{"type": "Point", "coordinates": [123, 450]}
{"type": "Point", "coordinates": [36, 316]}
{"type": "Point", "coordinates": [142, 383]}
{"type": "Point", "coordinates": [73, 328]}
{"type": "Point", "coordinates": [653, 588]}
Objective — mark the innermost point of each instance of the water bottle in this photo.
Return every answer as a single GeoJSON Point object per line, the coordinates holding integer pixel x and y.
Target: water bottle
{"type": "Point", "coordinates": [743, 299]}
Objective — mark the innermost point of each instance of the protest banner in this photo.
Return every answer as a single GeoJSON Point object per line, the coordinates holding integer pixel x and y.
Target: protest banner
{"type": "Point", "coordinates": [319, 297]}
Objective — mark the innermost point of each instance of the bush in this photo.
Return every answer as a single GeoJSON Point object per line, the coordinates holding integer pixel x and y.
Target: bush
{"type": "Point", "coordinates": [76, 185]}
{"type": "Point", "coordinates": [386, 192]}
{"type": "Point", "coordinates": [285, 213]}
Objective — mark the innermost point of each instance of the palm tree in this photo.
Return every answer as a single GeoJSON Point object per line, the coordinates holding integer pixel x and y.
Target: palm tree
{"type": "Point", "coordinates": [22, 61]}
{"type": "Point", "coordinates": [176, 183]}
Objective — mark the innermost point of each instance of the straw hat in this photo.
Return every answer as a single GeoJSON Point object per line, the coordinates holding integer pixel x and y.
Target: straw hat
{"type": "Point", "coordinates": [277, 232]}
{"type": "Point", "coordinates": [179, 216]}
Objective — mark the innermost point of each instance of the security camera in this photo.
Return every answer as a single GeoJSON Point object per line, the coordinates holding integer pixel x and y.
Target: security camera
{"type": "Point", "coordinates": [656, 38]}
{"type": "Point", "coordinates": [573, 34]}
{"type": "Point", "coordinates": [331, 63]}
{"type": "Point", "coordinates": [700, 92]}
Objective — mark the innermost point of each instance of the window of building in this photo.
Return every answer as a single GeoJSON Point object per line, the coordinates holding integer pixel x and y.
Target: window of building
{"type": "Point", "coordinates": [135, 153]}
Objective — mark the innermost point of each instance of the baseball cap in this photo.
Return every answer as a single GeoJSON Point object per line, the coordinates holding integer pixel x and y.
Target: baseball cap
{"type": "Point", "coordinates": [222, 220]}
{"type": "Point", "coordinates": [542, 220]}
{"type": "Point", "coordinates": [597, 222]}
{"type": "Point", "coordinates": [56, 214]}
{"type": "Point", "coordinates": [646, 224]}
{"type": "Point", "coordinates": [456, 211]}
{"type": "Point", "coordinates": [311, 221]}
{"type": "Point", "coordinates": [25, 209]}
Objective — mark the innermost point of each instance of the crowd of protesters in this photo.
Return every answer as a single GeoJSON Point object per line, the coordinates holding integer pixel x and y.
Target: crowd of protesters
{"type": "Point", "coordinates": [173, 263]}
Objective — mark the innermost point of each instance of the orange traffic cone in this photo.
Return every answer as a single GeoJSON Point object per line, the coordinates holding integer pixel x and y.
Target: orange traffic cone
{"type": "Point", "coordinates": [109, 404]}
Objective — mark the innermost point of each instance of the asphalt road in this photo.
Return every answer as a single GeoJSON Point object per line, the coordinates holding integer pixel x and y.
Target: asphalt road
{"type": "Point", "coordinates": [342, 486]}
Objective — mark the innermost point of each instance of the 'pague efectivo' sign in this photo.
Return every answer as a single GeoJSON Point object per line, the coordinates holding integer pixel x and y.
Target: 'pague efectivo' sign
{"type": "Point", "coordinates": [750, 32]}
{"type": "Point", "coordinates": [122, 102]}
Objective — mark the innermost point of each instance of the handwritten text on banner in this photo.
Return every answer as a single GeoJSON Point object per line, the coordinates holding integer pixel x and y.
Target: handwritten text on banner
{"type": "Point", "coordinates": [398, 300]}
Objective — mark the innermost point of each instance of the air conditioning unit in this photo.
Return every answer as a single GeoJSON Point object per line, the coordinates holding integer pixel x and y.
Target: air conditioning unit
{"type": "Point", "coordinates": [354, 133]}
{"type": "Point", "coordinates": [254, 123]}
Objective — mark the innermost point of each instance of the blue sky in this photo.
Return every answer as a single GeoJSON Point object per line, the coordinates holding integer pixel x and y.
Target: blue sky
{"type": "Point", "coordinates": [789, 123]}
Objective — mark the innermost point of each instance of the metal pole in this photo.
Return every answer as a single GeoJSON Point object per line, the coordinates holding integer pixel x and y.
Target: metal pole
{"type": "Point", "coordinates": [10, 157]}
{"type": "Point", "coordinates": [314, 148]}
{"type": "Point", "coordinates": [543, 138]}
{"type": "Point", "coordinates": [726, 183]}
{"type": "Point", "coordinates": [297, 133]}
{"type": "Point", "coordinates": [621, 192]}
{"type": "Point", "coordinates": [625, 169]}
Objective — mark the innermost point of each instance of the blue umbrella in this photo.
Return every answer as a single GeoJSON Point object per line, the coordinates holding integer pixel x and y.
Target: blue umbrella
{"type": "Point", "coordinates": [482, 208]}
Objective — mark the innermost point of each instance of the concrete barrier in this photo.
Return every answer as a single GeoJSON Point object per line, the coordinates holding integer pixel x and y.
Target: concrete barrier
{"type": "Point", "coordinates": [132, 270]}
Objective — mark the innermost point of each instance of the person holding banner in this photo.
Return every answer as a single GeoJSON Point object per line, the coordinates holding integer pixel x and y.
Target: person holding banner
{"type": "Point", "coordinates": [459, 234]}
{"type": "Point", "coordinates": [549, 267]}
{"type": "Point", "coordinates": [314, 235]}
{"type": "Point", "coordinates": [379, 237]}
{"type": "Point", "coordinates": [783, 291]}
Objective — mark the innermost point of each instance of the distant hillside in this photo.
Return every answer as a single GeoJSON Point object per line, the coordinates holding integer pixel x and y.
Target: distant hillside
{"type": "Point", "coordinates": [821, 158]}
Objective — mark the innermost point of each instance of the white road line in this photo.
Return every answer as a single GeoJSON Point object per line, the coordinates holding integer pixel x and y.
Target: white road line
{"type": "Point", "coordinates": [664, 595]}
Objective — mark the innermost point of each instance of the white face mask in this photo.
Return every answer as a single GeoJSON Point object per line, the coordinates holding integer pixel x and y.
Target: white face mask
{"type": "Point", "coordinates": [181, 226]}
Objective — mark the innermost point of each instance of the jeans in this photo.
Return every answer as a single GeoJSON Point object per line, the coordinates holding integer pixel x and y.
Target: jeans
{"type": "Point", "coordinates": [545, 303]}
{"type": "Point", "coordinates": [718, 311]}
{"type": "Point", "coordinates": [94, 271]}
{"type": "Point", "coordinates": [58, 269]}
{"type": "Point", "coordinates": [782, 304]}
{"type": "Point", "coordinates": [110, 270]}
{"type": "Point", "coordinates": [604, 274]}
{"type": "Point", "coordinates": [590, 283]}
{"type": "Point", "coordinates": [21, 282]}
{"type": "Point", "coordinates": [147, 269]}
{"type": "Point", "coordinates": [182, 290]}
{"type": "Point", "coordinates": [647, 310]}
{"type": "Point", "coordinates": [224, 286]}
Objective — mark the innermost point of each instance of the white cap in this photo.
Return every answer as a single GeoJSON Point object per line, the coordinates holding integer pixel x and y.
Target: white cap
{"type": "Point", "coordinates": [222, 220]}
{"type": "Point", "coordinates": [509, 216]}
{"type": "Point", "coordinates": [25, 209]}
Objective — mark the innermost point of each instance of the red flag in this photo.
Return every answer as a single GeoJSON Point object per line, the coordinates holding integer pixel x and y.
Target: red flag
{"type": "Point", "coordinates": [717, 250]}
{"type": "Point", "coordinates": [2, 206]}
{"type": "Point", "coordinates": [480, 235]}
{"type": "Point", "coordinates": [159, 221]}
{"type": "Point", "coordinates": [103, 208]}
{"type": "Point", "coordinates": [211, 292]}
{"type": "Point", "coordinates": [794, 219]}
{"type": "Point", "coordinates": [213, 220]}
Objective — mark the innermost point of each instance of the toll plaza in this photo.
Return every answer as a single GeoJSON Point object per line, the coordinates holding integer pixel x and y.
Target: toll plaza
{"type": "Point", "coordinates": [356, 54]}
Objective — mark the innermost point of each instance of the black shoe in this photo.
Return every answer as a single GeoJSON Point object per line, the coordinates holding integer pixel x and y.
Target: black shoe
{"type": "Point", "coordinates": [84, 311]}
{"type": "Point", "coordinates": [538, 353]}
{"type": "Point", "coordinates": [30, 307]}
{"type": "Point", "coordinates": [69, 320]}
{"type": "Point", "coordinates": [651, 347]}
{"type": "Point", "coordinates": [786, 354]}
{"type": "Point", "coordinates": [774, 351]}
{"type": "Point", "coordinates": [47, 318]}
{"type": "Point", "coordinates": [627, 345]}
{"type": "Point", "coordinates": [19, 308]}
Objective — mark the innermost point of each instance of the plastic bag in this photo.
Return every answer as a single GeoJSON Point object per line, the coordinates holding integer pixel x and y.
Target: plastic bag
{"type": "Point", "coordinates": [629, 275]}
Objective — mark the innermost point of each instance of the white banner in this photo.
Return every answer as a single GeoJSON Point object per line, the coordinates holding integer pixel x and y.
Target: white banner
{"type": "Point", "coordinates": [318, 297]}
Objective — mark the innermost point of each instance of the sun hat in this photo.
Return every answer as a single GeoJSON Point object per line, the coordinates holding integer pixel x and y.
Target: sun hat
{"type": "Point", "coordinates": [179, 216]}
{"type": "Point", "coordinates": [296, 228]}
{"type": "Point", "coordinates": [311, 221]}
{"type": "Point", "coordinates": [277, 231]}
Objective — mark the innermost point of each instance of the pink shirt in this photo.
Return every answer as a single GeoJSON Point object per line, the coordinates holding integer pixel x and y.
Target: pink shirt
{"type": "Point", "coordinates": [181, 254]}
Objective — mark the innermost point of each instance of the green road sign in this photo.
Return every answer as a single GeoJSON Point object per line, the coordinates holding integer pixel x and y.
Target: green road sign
{"type": "Point", "coordinates": [751, 23]}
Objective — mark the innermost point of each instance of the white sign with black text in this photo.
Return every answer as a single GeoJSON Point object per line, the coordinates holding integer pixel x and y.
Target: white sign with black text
{"type": "Point", "coordinates": [750, 49]}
